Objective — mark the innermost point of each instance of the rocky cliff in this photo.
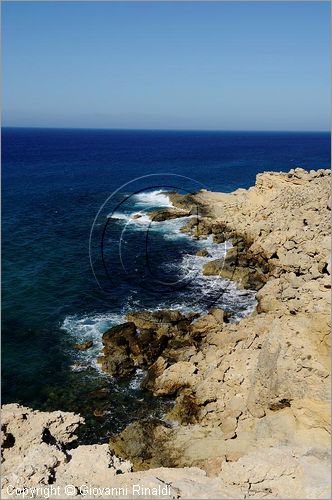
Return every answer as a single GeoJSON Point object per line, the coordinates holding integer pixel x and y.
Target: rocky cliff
{"type": "Point", "coordinates": [252, 415]}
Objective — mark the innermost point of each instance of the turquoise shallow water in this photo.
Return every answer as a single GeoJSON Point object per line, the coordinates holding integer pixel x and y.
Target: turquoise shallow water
{"type": "Point", "coordinates": [54, 182]}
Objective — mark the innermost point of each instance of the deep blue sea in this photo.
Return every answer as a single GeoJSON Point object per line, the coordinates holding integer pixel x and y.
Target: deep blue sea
{"type": "Point", "coordinates": [75, 260]}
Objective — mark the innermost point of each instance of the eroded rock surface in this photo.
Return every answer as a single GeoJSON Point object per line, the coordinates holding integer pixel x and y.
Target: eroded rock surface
{"type": "Point", "coordinates": [252, 415]}
{"type": "Point", "coordinates": [37, 458]}
{"type": "Point", "coordinates": [261, 384]}
{"type": "Point", "coordinates": [145, 337]}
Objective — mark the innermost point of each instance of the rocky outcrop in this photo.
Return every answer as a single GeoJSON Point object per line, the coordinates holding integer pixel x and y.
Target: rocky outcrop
{"type": "Point", "coordinates": [251, 416]}
{"type": "Point", "coordinates": [120, 348]}
{"type": "Point", "coordinates": [144, 339]}
{"type": "Point", "coordinates": [261, 384]}
{"type": "Point", "coordinates": [38, 460]}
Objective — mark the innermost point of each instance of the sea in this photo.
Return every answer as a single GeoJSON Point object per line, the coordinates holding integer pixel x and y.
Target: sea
{"type": "Point", "coordinates": [80, 251]}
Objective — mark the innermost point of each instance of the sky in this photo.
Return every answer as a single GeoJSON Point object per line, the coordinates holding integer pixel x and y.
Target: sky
{"type": "Point", "coordinates": [167, 65]}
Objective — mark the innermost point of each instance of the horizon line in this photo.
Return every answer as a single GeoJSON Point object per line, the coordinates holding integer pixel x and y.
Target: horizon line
{"type": "Point", "coordinates": [122, 129]}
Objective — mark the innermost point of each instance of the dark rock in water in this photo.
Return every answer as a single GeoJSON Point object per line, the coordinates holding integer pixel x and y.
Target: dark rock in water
{"type": "Point", "coordinates": [125, 330]}
{"type": "Point", "coordinates": [99, 412]}
{"type": "Point", "coordinates": [203, 253]}
{"type": "Point", "coordinates": [103, 393]}
{"type": "Point", "coordinates": [219, 238]}
{"type": "Point", "coordinates": [169, 213]}
{"type": "Point", "coordinates": [144, 338]}
{"type": "Point", "coordinates": [164, 322]}
{"type": "Point", "coordinates": [136, 216]}
{"type": "Point", "coordinates": [119, 342]}
{"type": "Point", "coordinates": [84, 345]}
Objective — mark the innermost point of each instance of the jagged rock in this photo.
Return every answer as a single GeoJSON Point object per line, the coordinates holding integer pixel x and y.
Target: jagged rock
{"type": "Point", "coordinates": [250, 377]}
{"type": "Point", "coordinates": [177, 376]}
{"type": "Point", "coordinates": [198, 227]}
{"type": "Point", "coordinates": [121, 347]}
{"type": "Point", "coordinates": [161, 321]}
{"type": "Point", "coordinates": [212, 322]}
{"type": "Point", "coordinates": [186, 202]}
{"type": "Point", "coordinates": [32, 444]}
{"type": "Point", "coordinates": [36, 454]}
{"type": "Point", "coordinates": [154, 371]}
{"type": "Point", "coordinates": [144, 442]}
{"type": "Point", "coordinates": [247, 277]}
{"type": "Point", "coordinates": [279, 473]}
{"type": "Point", "coordinates": [218, 314]}
{"type": "Point", "coordinates": [144, 338]}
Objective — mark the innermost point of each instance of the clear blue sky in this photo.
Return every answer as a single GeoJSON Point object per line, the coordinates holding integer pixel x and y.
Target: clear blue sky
{"type": "Point", "coordinates": [218, 65]}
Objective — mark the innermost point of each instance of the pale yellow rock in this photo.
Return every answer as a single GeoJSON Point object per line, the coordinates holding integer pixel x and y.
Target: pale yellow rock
{"type": "Point", "coordinates": [177, 376]}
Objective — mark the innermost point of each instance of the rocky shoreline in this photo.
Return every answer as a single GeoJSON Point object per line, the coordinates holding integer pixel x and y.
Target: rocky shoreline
{"type": "Point", "coordinates": [251, 416]}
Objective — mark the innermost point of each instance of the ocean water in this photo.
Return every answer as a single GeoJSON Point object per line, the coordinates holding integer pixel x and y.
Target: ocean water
{"type": "Point", "coordinates": [80, 251]}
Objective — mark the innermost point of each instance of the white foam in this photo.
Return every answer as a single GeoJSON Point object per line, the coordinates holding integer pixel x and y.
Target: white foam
{"type": "Point", "coordinates": [201, 293]}
{"type": "Point", "coordinates": [150, 199]}
{"type": "Point", "coordinates": [204, 292]}
{"type": "Point", "coordinates": [132, 222]}
{"type": "Point", "coordinates": [89, 327]}
{"type": "Point", "coordinates": [192, 264]}
{"type": "Point", "coordinates": [136, 381]}
{"type": "Point", "coordinates": [119, 216]}
{"type": "Point", "coordinates": [172, 228]}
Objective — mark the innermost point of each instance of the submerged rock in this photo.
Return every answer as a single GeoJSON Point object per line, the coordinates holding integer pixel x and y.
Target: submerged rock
{"type": "Point", "coordinates": [98, 412]}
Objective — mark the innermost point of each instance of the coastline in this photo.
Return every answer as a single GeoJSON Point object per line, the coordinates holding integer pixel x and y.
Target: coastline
{"type": "Point", "coordinates": [251, 397]}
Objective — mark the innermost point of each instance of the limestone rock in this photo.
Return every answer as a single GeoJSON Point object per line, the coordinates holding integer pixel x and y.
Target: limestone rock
{"type": "Point", "coordinates": [177, 376]}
